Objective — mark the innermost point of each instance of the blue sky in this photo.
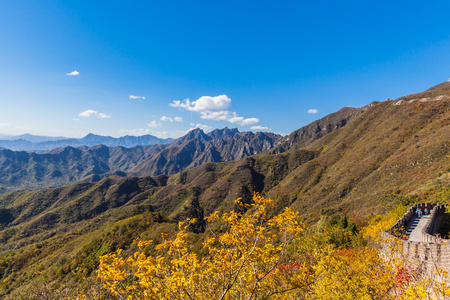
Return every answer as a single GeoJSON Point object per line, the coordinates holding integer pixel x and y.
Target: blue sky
{"type": "Point", "coordinates": [255, 65]}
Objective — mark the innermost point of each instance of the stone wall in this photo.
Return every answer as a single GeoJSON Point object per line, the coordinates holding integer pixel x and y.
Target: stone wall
{"type": "Point", "coordinates": [399, 226]}
{"type": "Point", "coordinates": [433, 252]}
{"type": "Point", "coordinates": [433, 225]}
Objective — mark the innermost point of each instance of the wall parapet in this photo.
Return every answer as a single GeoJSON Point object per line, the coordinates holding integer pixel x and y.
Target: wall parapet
{"type": "Point", "coordinates": [432, 226]}
{"type": "Point", "coordinates": [398, 228]}
{"type": "Point", "coordinates": [433, 252]}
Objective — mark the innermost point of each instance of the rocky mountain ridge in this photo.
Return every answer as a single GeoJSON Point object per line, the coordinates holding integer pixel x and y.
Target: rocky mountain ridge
{"type": "Point", "coordinates": [61, 166]}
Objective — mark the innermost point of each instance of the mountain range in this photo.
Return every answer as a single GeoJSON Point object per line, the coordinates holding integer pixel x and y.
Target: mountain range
{"type": "Point", "coordinates": [348, 163]}
{"type": "Point", "coordinates": [31, 138]}
{"type": "Point", "coordinates": [61, 166]}
{"type": "Point", "coordinates": [28, 142]}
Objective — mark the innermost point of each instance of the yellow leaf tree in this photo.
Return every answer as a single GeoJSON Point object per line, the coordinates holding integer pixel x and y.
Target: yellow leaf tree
{"type": "Point", "coordinates": [246, 260]}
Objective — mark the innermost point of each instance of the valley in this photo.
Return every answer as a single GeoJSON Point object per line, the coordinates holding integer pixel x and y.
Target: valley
{"type": "Point", "coordinates": [356, 162]}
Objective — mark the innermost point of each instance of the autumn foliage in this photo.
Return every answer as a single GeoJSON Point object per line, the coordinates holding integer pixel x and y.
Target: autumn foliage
{"type": "Point", "coordinates": [246, 260]}
{"type": "Point", "coordinates": [254, 255]}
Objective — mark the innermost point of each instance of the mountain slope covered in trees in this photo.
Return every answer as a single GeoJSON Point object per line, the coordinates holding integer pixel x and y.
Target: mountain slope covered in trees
{"type": "Point", "coordinates": [395, 149]}
{"type": "Point", "coordinates": [61, 166]}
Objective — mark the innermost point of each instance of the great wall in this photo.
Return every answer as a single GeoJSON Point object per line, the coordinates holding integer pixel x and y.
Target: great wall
{"type": "Point", "coordinates": [419, 238]}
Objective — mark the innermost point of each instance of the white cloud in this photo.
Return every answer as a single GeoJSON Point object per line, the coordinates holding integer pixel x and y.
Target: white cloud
{"type": "Point", "coordinates": [176, 119]}
{"type": "Point", "coordinates": [164, 118]}
{"type": "Point", "coordinates": [178, 103]}
{"type": "Point", "coordinates": [229, 116]}
{"type": "Point", "coordinates": [260, 128]}
{"type": "Point", "coordinates": [4, 125]}
{"type": "Point", "coordinates": [201, 126]}
{"type": "Point", "coordinates": [216, 108]}
{"type": "Point", "coordinates": [92, 113]}
{"type": "Point", "coordinates": [234, 118]}
{"type": "Point", "coordinates": [137, 97]}
{"type": "Point", "coordinates": [312, 111]}
{"type": "Point", "coordinates": [215, 115]}
{"type": "Point", "coordinates": [154, 124]}
{"type": "Point", "coordinates": [204, 104]}
{"type": "Point", "coordinates": [74, 73]}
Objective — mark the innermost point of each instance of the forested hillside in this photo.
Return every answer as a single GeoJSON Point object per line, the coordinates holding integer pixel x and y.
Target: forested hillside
{"type": "Point", "coordinates": [342, 169]}
{"type": "Point", "coordinates": [62, 166]}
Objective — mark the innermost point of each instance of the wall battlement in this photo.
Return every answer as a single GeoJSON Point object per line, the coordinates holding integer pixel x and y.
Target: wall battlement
{"type": "Point", "coordinates": [432, 252]}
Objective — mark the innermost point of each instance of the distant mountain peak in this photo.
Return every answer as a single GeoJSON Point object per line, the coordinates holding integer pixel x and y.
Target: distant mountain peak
{"type": "Point", "coordinates": [196, 133]}
{"type": "Point", "coordinates": [92, 136]}
{"type": "Point", "coordinates": [224, 133]}
{"type": "Point", "coordinates": [197, 130]}
{"type": "Point", "coordinates": [34, 138]}
{"type": "Point", "coordinates": [29, 142]}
